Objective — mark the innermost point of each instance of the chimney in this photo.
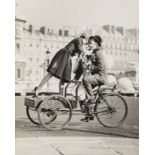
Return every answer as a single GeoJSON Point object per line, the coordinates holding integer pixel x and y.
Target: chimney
{"type": "Point", "coordinates": [132, 32]}
{"type": "Point", "coordinates": [107, 28]}
{"type": "Point", "coordinates": [30, 28]}
{"type": "Point", "coordinates": [43, 30]}
{"type": "Point", "coordinates": [120, 29]}
{"type": "Point", "coordinates": [113, 29]}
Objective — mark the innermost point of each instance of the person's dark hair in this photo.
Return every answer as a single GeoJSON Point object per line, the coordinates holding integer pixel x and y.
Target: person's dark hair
{"type": "Point", "coordinates": [83, 36]}
{"type": "Point", "coordinates": [97, 39]}
{"type": "Point", "coordinates": [88, 57]}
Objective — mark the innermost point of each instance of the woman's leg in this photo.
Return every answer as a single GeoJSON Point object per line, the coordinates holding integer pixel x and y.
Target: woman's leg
{"type": "Point", "coordinates": [61, 87]}
{"type": "Point", "coordinates": [42, 83]}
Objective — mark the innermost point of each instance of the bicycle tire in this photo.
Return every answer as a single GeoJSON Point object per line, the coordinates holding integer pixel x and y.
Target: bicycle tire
{"type": "Point", "coordinates": [110, 110]}
{"type": "Point", "coordinates": [50, 107]}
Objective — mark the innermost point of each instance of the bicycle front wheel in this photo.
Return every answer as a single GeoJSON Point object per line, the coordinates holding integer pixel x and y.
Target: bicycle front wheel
{"type": "Point", "coordinates": [111, 110]}
{"type": "Point", "coordinates": [54, 112]}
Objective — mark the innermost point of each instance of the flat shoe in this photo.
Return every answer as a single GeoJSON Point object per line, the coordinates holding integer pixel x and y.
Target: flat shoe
{"type": "Point", "coordinates": [84, 119]}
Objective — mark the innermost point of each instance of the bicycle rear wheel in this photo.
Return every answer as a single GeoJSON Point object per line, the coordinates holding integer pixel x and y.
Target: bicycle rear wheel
{"type": "Point", "coordinates": [32, 115]}
{"type": "Point", "coordinates": [54, 112]}
{"type": "Point", "coordinates": [111, 110]}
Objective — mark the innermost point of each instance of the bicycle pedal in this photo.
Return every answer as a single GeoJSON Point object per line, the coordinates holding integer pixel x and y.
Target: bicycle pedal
{"type": "Point", "coordinates": [91, 118]}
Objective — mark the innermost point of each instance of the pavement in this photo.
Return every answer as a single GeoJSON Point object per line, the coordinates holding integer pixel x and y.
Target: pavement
{"type": "Point", "coordinates": [76, 146]}
{"type": "Point", "coordinates": [24, 128]}
{"type": "Point", "coordinates": [78, 138]}
{"type": "Point", "coordinates": [129, 128]}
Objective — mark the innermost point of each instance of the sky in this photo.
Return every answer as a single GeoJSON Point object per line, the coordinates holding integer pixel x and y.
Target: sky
{"type": "Point", "coordinates": [80, 12]}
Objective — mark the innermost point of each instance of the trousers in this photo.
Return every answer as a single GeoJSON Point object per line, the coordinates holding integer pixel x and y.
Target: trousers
{"type": "Point", "coordinates": [90, 81]}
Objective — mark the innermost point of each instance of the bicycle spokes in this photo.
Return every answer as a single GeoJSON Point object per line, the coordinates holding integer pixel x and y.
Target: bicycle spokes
{"type": "Point", "coordinates": [111, 110]}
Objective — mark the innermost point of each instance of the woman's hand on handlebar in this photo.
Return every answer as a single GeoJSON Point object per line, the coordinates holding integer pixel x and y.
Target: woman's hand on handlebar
{"type": "Point", "coordinates": [75, 81]}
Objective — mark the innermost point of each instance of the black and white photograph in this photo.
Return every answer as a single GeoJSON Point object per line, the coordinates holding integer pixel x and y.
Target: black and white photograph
{"type": "Point", "coordinates": [77, 77]}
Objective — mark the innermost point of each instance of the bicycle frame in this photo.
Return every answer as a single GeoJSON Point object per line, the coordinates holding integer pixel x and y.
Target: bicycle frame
{"type": "Point", "coordinates": [96, 93]}
{"type": "Point", "coordinates": [76, 92]}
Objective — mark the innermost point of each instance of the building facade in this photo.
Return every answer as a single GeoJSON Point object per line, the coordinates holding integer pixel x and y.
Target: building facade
{"type": "Point", "coordinates": [122, 45]}
{"type": "Point", "coordinates": [35, 47]}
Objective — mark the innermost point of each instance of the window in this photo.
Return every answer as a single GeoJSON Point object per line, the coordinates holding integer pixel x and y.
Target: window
{"type": "Point", "coordinates": [127, 47]}
{"type": "Point", "coordinates": [118, 39]}
{"type": "Point", "coordinates": [30, 59]}
{"type": "Point", "coordinates": [136, 47]}
{"type": "Point", "coordinates": [18, 73]}
{"type": "Point", "coordinates": [18, 48]}
{"type": "Point", "coordinates": [122, 47]}
{"type": "Point", "coordinates": [133, 41]}
{"type": "Point", "coordinates": [60, 32]}
{"type": "Point", "coordinates": [30, 45]}
{"type": "Point", "coordinates": [37, 72]}
{"type": "Point", "coordinates": [129, 41]}
{"type": "Point", "coordinates": [113, 46]}
{"type": "Point", "coordinates": [30, 71]}
{"type": "Point", "coordinates": [132, 47]}
{"type": "Point", "coordinates": [108, 45]}
{"type": "Point", "coordinates": [118, 46]}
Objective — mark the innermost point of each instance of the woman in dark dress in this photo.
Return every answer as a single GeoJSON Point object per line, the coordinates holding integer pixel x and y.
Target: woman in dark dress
{"type": "Point", "coordinates": [61, 64]}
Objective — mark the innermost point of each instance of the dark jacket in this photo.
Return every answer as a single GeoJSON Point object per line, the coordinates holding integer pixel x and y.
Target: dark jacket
{"type": "Point", "coordinates": [98, 64]}
{"type": "Point", "coordinates": [61, 64]}
{"type": "Point", "coordinates": [98, 67]}
{"type": "Point", "coordinates": [75, 46]}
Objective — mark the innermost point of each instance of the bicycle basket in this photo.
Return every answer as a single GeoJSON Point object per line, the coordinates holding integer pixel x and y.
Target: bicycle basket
{"type": "Point", "coordinates": [31, 102]}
